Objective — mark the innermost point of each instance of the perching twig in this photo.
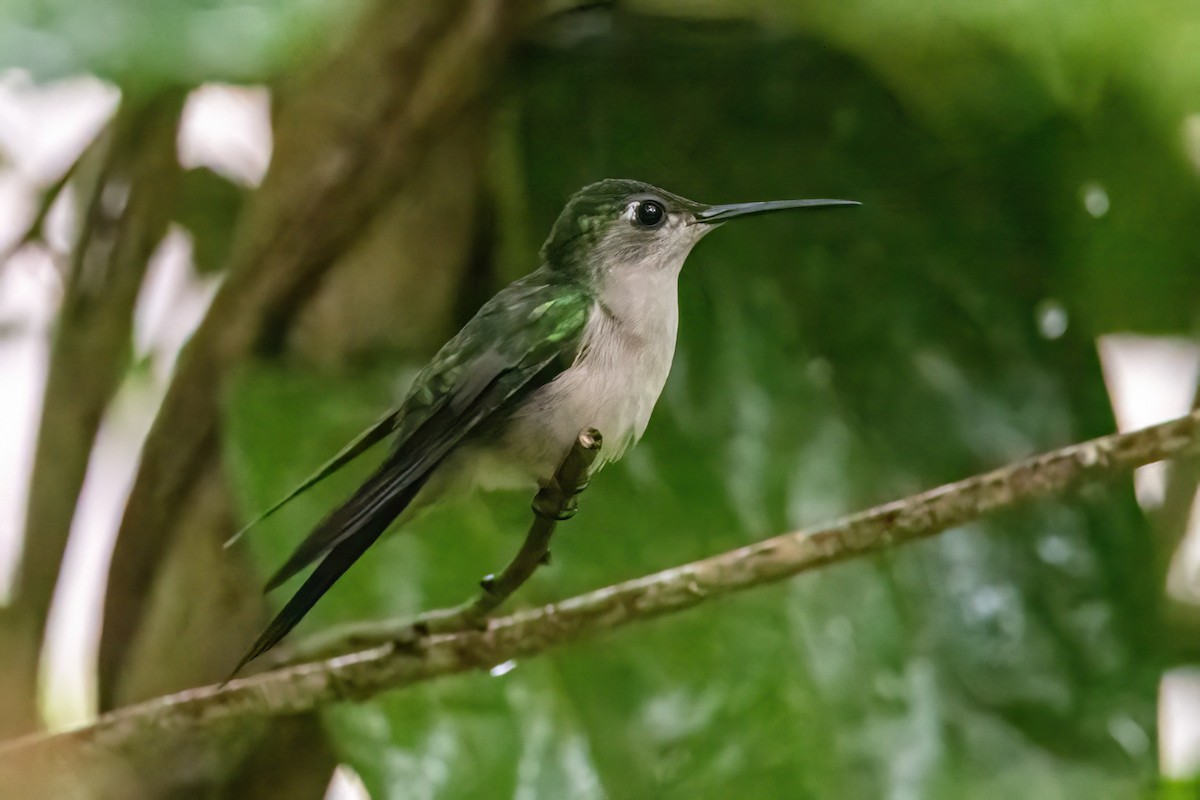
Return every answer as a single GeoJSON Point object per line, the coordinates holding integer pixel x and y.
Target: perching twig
{"type": "Point", "coordinates": [554, 503]}
{"type": "Point", "coordinates": [209, 710]}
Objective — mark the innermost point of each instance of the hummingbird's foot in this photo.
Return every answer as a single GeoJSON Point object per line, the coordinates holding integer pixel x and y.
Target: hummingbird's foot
{"type": "Point", "coordinates": [545, 559]}
{"type": "Point", "coordinates": [552, 506]}
{"type": "Point", "coordinates": [488, 584]}
{"type": "Point", "coordinates": [568, 510]}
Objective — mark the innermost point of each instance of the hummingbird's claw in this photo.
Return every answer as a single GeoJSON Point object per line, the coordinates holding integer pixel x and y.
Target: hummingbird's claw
{"type": "Point", "coordinates": [545, 559]}
{"type": "Point", "coordinates": [549, 504]}
{"type": "Point", "coordinates": [488, 584]}
{"type": "Point", "coordinates": [569, 510]}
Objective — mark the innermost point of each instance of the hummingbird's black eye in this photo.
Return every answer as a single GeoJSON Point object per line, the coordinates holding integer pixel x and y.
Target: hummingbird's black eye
{"type": "Point", "coordinates": [650, 214]}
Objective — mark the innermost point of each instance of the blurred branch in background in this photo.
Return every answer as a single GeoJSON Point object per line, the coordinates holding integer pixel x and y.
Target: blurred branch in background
{"type": "Point", "coordinates": [391, 120]}
{"type": "Point", "coordinates": [49, 763]}
{"type": "Point", "coordinates": [125, 184]}
{"type": "Point", "coordinates": [346, 142]}
{"type": "Point", "coordinates": [369, 213]}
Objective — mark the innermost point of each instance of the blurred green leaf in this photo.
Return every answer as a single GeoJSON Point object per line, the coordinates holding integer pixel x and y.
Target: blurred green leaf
{"type": "Point", "coordinates": [143, 44]}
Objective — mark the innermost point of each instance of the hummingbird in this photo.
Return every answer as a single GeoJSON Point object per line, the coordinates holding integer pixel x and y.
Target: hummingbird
{"type": "Point", "coordinates": [586, 340]}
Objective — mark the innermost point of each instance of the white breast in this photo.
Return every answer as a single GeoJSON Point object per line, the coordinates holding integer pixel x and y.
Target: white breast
{"type": "Point", "coordinates": [628, 346]}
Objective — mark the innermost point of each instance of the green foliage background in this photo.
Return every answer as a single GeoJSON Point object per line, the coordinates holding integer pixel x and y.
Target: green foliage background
{"type": "Point", "coordinates": [826, 362]}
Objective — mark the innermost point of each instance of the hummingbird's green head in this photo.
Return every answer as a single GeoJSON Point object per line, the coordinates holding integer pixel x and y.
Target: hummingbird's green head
{"type": "Point", "coordinates": [621, 224]}
{"type": "Point", "coordinates": [618, 219]}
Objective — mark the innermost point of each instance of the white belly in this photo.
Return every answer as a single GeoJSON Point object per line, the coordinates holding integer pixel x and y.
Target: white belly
{"type": "Point", "coordinates": [612, 387]}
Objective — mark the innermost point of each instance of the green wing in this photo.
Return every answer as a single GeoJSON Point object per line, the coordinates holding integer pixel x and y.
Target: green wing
{"type": "Point", "coordinates": [520, 340]}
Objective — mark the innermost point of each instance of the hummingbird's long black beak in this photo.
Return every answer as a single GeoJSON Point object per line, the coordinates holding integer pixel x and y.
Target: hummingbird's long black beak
{"type": "Point", "coordinates": [727, 212]}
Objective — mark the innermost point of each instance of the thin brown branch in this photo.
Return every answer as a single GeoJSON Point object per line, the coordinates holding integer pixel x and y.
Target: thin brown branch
{"type": "Point", "coordinates": [203, 711]}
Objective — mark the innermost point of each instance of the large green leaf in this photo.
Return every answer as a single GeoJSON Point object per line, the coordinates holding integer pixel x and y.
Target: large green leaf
{"type": "Point", "coordinates": [826, 362]}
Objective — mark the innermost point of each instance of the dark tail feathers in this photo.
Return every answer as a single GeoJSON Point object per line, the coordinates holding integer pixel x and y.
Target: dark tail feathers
{"type": "Point", "coordinates": [336, 562]}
